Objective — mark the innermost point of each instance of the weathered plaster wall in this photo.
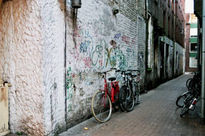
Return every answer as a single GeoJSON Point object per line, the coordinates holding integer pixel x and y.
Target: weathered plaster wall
{"type": "Point", "coordinates": [21, 64]}
{"type": "Point", "coordinates": [38, 61]}
{"type": "Point", "coordinates": [96, 41]}
{"type": "Point", "coordinates": [179, 59]}
{"type": "Point", "coordinates": [53, 34]}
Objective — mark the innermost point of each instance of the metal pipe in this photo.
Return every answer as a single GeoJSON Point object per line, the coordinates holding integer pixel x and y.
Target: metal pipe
{"type": "Point", "coordinates": [174, 39]}
{"type": "Point", "coordinates": [65, 10]}
{"type": "Point", "coordinates": [146, 47]}
{"type": "Point", "coordinates": [203, 62]}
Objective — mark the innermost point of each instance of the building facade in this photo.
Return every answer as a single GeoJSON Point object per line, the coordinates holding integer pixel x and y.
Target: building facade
{"type": "Point", "coordinates": [191, 43]}
{"type": "Point", "coordinates": [165, 52]}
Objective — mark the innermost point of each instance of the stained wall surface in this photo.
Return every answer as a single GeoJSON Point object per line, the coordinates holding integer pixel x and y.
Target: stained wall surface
{"type": "Point", "coordinates": [21, 64]}
{"type": "Point", "coordinates": [96, 41]}
{"type": "Point", "coordinates": [51, 57]}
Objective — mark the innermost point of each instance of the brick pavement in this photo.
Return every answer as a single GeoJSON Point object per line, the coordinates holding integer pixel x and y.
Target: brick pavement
{"type": "Point", "coordinates": [157, 115]}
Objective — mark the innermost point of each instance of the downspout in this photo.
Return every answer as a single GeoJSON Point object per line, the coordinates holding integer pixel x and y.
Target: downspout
{"type": "Point", "coordinates": [174, 39]}
{"type": "Point", "coordinates": [65, 11]}
{"type": "Point", "coordinates": [146, 44]}
{"type": "Point", "coordinates": [203, 62]}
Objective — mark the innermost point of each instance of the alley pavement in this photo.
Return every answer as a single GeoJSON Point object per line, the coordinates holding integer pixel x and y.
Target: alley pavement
{"type": "Point", "coordinates": [156, 115]}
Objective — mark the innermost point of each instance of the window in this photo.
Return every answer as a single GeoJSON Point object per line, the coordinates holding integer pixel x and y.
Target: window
{"type": "Point", "coordinates": [193, 47]}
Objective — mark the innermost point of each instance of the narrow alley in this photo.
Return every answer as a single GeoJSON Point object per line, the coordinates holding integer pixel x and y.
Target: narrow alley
{"type": "Point", "coordinates": [56, 54]}
{"type": "Point", "coordinates": [157, 115]}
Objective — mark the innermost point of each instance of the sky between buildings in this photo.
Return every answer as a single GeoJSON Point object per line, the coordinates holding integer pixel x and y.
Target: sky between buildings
{"type": "Point", "coordinates": [189, 6]}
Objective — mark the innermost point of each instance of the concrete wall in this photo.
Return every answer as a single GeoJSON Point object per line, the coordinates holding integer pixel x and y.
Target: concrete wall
{"type": "Point", "coordinates": [21, 64]}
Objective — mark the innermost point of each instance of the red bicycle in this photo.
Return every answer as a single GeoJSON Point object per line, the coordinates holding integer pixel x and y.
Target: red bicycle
{"type": "Point", "coordinates": [101, 103]}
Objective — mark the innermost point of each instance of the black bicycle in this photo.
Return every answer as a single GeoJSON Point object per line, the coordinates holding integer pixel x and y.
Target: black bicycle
{"type": "Point", "coordinates": [129, 91]}
{"type": "Point", "coordinates": [194, 87]}
{"type": "Point", "coordinates": [189, 103]}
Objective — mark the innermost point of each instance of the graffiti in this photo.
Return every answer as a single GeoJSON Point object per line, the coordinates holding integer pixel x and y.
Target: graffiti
{"type": "Point", "coordinates": [108, 55]}
{"type": "Point", "coordinates": [134, 40]}
{"type": "Point", "coordinates": [69, 84]}
{"type": "Point", "coordinates": [119, 59]}
{"type": "Point", "coordinates": [97, 54]}
{"type": "Point", "coordinates": [85, 33]}
{"type": "Point", "coordinates": [126, 39]}
{"type": "Point", "coordinates": [113, 43]}
{"type": "Point", "coordinates": [84, 46]}
{"type": "Point", "coordinates": [87, 62]}
{"type": "Point", "coordinates": [117, 36]}
{"type": "Point", "coordinates": [129, 52]}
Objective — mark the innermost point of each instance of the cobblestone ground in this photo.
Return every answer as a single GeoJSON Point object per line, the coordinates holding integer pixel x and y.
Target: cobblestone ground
{"type": "Point", "coordinates": [157, 115]}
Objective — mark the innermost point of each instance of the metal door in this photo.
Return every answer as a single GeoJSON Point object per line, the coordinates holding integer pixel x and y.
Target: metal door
{"type": "Point", "coordinates": [4, 110]}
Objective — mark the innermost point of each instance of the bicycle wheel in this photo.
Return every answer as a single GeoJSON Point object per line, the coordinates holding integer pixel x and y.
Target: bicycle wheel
{"type": "Point", "coordinates": [101, 106]}
{"type": "Point", "coordinates": [187, 102]}
{"type": "Point", "coordinates": [122, 97]}
{"type": "Point", "coordinates": [190, 85]}
{"type": "Point", "coordinates": [136, 92]}
{"type": "Point", "coordinates": [188, 82]}
{"type": "Point", "coordinates": [181, 98]}
{"type": "Point", "coordinates": [127, 99]}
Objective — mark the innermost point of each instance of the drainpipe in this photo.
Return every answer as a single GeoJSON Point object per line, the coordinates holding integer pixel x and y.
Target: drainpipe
{"type": "Point", "coordinates": [174, 40]}
{"type": "Point", "coordinates": [203, 62]}
{"type": "Point", "coordinates": [65, 11]}
{"type": "Point", "coordinates": [146, 47]}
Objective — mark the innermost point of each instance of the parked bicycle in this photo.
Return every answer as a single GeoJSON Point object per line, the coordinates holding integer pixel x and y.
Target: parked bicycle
{"type": "Point", "coordinates": [129, 91]}
{"type": "Point", "coordinates": [187, 101]}
{"type": "Point", "coordinates": [103, 100]}
{"type": "Point", "coordinates": [194, 83]}
{"type": "Point", "coordinates": [194, 87]}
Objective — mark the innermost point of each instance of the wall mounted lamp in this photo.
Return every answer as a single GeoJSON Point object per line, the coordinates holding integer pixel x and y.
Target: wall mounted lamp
{"type": "Point", "coordinates": [76, 3]}
{"type": "Point", "coordinates": [115, 11]}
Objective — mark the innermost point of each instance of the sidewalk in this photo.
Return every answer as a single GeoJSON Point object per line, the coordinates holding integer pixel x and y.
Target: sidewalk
{"type": "Point", "coordinates": [157, 115]}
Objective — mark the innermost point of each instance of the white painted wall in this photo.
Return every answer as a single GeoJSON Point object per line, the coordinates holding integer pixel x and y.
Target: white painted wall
{"type": "Point", "coordinates": [21, 64]}
{"type": "Point", "coordinates": [53, 40]}
{"type": "Point", "coordinates": [89, 49]}
{"type": "Point", "coordinates": [32, 54]}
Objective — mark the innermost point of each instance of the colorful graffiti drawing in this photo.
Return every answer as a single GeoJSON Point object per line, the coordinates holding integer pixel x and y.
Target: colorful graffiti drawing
{"type": "Point", "coordinates": [69, 84]}
{"type": "Point", "coordinates": [96, 54]}
{"type": "Point", "coordinates": [84, 46]}
{"type": "Point", "coordinates": [108, 52]}
{"type": "Point", "coordinates": [126, 39]}
{"type": "Point", "coordinates": [117, 36]}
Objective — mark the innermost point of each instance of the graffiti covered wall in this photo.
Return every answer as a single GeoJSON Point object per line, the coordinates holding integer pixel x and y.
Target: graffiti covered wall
{"type": "Point", "coordinates": [97, 40]}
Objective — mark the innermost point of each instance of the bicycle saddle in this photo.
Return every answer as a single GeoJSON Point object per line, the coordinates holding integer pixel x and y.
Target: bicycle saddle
{"type": "Point", "coordinates": [128, 72]}
{"type": "Point", "coordinates": [112, 78]}
{"type": "Point", "coordinates": [134, 75]}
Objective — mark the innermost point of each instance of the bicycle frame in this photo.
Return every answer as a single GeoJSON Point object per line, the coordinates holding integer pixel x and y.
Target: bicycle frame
{"type": "Point", "coordinates": [114, 88]}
